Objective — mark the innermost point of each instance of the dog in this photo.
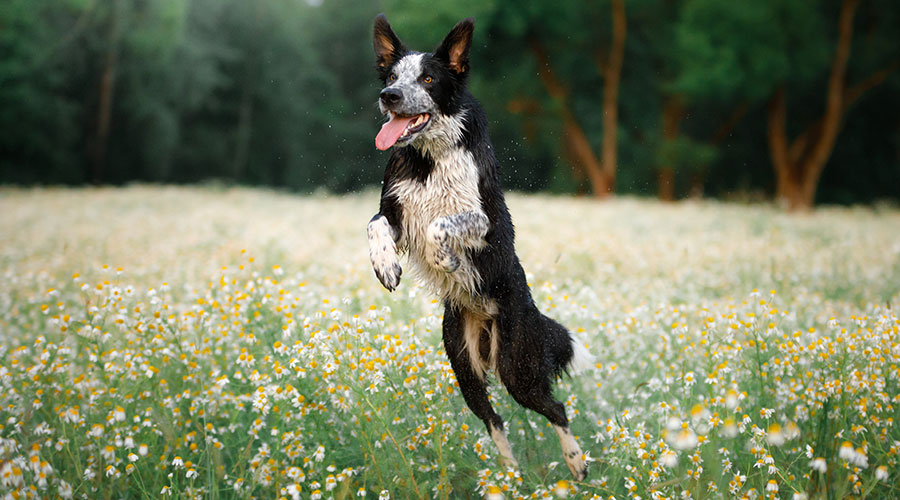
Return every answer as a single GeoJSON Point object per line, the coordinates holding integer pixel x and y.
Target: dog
{"type": "Point", "coordinates": [442, 204]}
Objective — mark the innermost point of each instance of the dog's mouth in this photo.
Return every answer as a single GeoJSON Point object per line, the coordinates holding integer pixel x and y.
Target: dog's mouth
{"type": "Point", "coordinates": [417, 124]}
{"type": "Point", "coordinates": [400, 129]}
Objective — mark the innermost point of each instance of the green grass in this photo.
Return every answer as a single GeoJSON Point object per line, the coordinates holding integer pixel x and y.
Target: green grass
{"type": "Point", "coordinates": [236, 344]}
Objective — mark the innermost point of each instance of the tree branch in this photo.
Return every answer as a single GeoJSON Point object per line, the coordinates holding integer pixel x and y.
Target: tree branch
{"type": "Point", "coordinates": [611, 78]}
{"type": "Point", "coordinates": [577, 145]}
{"type": "Point", "coordinates": [554, 87]}
{"type": "Point", "coordinates": [852, 94]}
{"type": "Point", "coordinates": [834, 104]}
{"type": "Point", "coordinates": [802, 144]}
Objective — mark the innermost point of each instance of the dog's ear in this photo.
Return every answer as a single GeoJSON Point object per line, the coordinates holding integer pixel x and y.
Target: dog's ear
{"type": "Point", "coordinates": [455, 47]}
{"type": "Point", "coordinates": [388, 47]}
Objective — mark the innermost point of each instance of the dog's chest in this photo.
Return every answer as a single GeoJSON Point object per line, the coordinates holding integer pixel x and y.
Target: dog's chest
{"type": "Point", "coordinates": [450, 188]}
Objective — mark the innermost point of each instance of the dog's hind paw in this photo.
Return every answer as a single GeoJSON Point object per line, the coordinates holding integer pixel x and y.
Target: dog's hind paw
{"type": "Point", "coordinates": [572, 453]}
{"type": "Point", "coordinates": [578, 467]}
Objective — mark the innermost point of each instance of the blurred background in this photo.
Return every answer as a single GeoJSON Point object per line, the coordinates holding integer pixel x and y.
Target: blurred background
{"type": "Point", "coordinates": [795, 101]}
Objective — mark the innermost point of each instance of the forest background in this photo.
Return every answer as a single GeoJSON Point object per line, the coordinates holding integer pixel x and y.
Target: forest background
{"type": "Point", "coordinates": [768, 100]}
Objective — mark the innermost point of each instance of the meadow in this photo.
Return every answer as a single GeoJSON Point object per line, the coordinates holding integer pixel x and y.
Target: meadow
{"type": "Point", "coordinates": [234, 343]}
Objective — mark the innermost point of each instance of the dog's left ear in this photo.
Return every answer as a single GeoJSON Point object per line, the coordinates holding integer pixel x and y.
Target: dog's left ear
{"type": "Point", "coordinates": [455, 47]}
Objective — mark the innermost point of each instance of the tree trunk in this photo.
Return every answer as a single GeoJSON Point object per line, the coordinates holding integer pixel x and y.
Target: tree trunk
{"type": "Point", "coordinates": [583, 154]}
{"type": "Point", "coordinates": [600, 172]}
{"type": "Point", "coordinates": [673, 112]}
{"type": "Point", "coordinates": [98, 151]}
{"type": "Point", "coordinates": [789, 177]}
{"type": "Point", "coordinates": [576, 143]}
{"type": "Point", "coordinates": [798, 165]}
{"type": "Point", "coordinates": [611, 78]}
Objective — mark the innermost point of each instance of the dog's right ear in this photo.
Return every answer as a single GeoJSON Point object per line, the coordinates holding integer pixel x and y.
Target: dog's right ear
{"type": "Point", "coordinates": [388, 48]}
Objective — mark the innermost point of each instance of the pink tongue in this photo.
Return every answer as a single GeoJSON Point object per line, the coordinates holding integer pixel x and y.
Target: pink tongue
{"type": "Point", "coordinates": [391, 131]}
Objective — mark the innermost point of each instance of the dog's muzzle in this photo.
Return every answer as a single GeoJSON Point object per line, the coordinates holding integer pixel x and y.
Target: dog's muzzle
{"type": "Point", "coordinates": [391, 97]}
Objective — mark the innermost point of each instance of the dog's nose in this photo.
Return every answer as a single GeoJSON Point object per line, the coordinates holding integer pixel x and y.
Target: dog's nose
{"type": "Point", "coordinates": [391, 96]}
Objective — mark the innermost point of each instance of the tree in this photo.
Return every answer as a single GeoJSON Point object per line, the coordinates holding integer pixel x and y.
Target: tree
{"type": "Point", "coordinates": [557, 38]}
{"type": "Point", "coordinates": [799, 163]}
{"type": "Point", "coordinates": [601, 172]}
{"type": "Point", "coordinates": [755, 54]}
{"type": "Point", "coordinates": [41, 56]}
{"type": "Point", "coordinates": [106, 90]}
{"type": "Point", "coordinates": [712, 95]}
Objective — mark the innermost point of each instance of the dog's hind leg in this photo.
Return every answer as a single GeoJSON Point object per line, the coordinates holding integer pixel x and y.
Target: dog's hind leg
{"type": "Point", "coordinates": [472, 383]}
{"type": "Point", "coordinates": [539, 397]}
{"type": "Point", "coordinates": [527, 370]}
{"type": "Point", "coordinates": [571, 452]}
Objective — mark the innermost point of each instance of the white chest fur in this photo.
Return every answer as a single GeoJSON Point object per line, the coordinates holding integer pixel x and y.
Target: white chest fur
{"type": "Point", "coordinates": [451, 188]}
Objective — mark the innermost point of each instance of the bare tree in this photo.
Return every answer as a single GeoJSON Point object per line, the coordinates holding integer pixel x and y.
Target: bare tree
{"type": "Point", "coordinates": [600, 171]}
{"type": "Point", "coordinates": [799, 163]}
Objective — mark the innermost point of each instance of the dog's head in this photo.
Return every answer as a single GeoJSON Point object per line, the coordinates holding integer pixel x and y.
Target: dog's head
{"type": "Point", "coordinates": [421, 90]}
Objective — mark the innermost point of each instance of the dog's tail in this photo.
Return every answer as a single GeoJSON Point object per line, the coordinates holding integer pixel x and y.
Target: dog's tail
{"type": "Point", "coordinates": [569, 353]}
{"type": "Point", "coordinates": [582, 359]}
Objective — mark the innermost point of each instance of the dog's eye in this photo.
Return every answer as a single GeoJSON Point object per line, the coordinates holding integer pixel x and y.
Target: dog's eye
{"type": "Point", "coordinates": [392, 77]}
{"type": "Point", "coordinates": [427, 79]}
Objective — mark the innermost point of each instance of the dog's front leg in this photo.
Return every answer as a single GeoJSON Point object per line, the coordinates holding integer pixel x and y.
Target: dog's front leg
{"type": "Point", "coordinates": [383, 252]}
{"type": "Point", "coordinates": [451, 234]}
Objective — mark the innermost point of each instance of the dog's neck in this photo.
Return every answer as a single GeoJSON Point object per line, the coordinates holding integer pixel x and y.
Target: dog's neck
{"type": "Point", "coordinates": [444, 137]}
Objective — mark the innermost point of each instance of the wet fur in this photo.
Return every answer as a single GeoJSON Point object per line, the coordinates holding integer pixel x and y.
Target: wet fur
{"type": "Point", "coordinates": [442, 204]}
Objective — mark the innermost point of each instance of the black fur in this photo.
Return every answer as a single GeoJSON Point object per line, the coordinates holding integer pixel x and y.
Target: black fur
{"type": "Point", "coordinates": [533, 350]}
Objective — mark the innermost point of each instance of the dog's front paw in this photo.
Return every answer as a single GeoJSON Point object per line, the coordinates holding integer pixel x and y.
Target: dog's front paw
{"type": "Point", "coordinates": [388, 274]}
{"type": "Point", "coordinates": [446, 259]}
{"type": "Point", "coordinates": [383, 253]}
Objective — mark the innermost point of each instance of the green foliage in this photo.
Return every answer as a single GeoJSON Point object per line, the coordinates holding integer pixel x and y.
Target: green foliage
{"type": "Point", "coordinates": [684, 153]}
{"type": "Point", "coordinates": [727, 51]}
{"type": "Point", "coordinates": [35, 116]}
{"type": "Point", "coordinates": [282, 93]}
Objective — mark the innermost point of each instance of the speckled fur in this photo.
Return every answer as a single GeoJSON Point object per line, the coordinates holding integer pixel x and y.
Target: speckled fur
{"type": "Point", "coordinates": [442, 263]}
{"type": "Point", "coordinates": [498, 435]}
{"type": "Point", "coordinates": [571, 450]}
{"type": "Point", "coordinates": [383, 252]}
{"type": "Point", "coordinates": [415, 99]}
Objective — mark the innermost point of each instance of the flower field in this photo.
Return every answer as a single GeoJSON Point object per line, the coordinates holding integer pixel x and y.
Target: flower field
{"type": "Point", "coordinates": [234, 343]}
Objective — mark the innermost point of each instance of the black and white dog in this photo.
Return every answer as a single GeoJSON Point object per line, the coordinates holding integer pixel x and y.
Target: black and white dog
{"type": "Point", "coordinates": [441, 203]}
